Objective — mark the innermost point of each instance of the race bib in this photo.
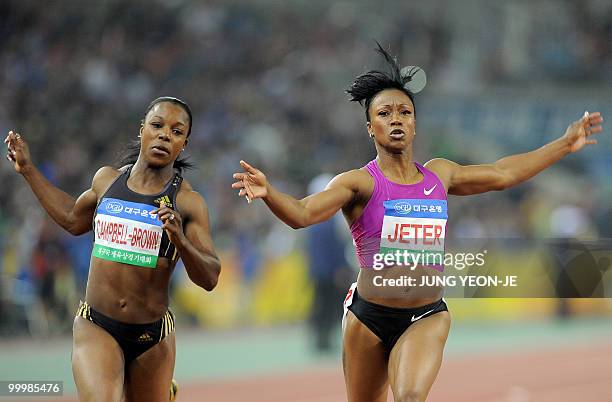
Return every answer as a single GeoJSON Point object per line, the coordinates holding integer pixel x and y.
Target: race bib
{"type": "Point", "coordinates": [413, 231]}
{"type": "Point", "coordinates": [348, 300]}
{"type": "Point", "coordinates": [127, 232]}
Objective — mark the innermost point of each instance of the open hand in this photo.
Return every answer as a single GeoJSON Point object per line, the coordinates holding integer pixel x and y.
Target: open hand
{"type": "Point", "coordinates": [18, 152]}
{"type": "Point", "coordinates": [252, 183]}
{"type": "Point", "coordinates": [578, 133]}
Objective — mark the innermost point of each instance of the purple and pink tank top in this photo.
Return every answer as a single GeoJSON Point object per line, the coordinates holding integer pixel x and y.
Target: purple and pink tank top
{"type": "Point", "coordinates": [409, 219]}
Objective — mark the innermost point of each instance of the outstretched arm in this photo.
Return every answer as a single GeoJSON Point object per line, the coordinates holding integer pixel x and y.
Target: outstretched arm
{"type": "Point", "coordinates": [193, 242]}
{"type": "Point", "coordinates": [297, 213]}
{"type": "Point", "coordinates": [75, 216]}
{"type": "Point", "coordinates": [514, 169]}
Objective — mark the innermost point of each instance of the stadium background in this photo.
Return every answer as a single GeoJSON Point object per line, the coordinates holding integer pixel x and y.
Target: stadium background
{"type": "Point", "coordinates": [265, 80]}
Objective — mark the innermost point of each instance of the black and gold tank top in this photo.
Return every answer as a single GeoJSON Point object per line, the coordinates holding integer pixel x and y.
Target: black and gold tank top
{"type": "Point", "coordinates": [125, 228]}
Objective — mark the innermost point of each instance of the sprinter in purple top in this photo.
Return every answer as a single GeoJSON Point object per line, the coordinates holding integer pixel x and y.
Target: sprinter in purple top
{"type": "Point", "coordinates": [412, 217]}
{"type": "Point", "coordinates": [393, 336]}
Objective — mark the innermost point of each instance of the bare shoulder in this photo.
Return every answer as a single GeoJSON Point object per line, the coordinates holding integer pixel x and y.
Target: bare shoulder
{"type": "Point", "coordinates": [103, 178]}
{"type": "Point", "coordinates": [357, 180]}
{"type": "Point", "coordinates": [189, 201]}
{"type": "Point", "coordinates": [443, 168]}
{"type": "Point", "coordinates": [440, 165]}
{"type": "Point", "coordinates": [186, 186]}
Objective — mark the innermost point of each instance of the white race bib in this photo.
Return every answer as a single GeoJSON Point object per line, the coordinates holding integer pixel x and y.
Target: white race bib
{"type": "Point", "coordinates": [414, 227]}
{"type": "Point", "coordinates": [127, 232]}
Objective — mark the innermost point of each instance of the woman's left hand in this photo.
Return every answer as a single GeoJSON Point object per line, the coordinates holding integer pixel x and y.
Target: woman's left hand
{"type": "Point", "coordinates": [172, 223]}
{"type": "Point", "coordinates": [578, 132]}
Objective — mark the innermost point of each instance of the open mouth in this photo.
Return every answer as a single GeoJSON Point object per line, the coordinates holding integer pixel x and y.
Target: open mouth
{"type": "Point", "coordinates": [397, 134]}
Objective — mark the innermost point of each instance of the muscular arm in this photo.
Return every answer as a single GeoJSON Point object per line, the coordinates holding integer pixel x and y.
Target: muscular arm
{"type": "Point", "coordinates": [75, 216]}
{"type": "Point", "coordinates": [195, 246]}
{"type": "Point", "coordinates": [505, 173]}
{"type": "Point", "coordinates": [315, 208]}
{"type": "Point", "coordinates": [514, 169]}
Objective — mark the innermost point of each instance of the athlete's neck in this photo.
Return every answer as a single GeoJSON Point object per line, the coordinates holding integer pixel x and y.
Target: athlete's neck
{"type": "Point", "coordinates": [146, 178]}
{"type": "Point", "coordinates": [399, 168]}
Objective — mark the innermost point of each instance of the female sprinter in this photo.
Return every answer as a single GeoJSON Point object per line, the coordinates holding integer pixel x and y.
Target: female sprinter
{"type": "Point", "coordinates": [145, 217]}
{"type": "Point", "coordinates": [396, 337]}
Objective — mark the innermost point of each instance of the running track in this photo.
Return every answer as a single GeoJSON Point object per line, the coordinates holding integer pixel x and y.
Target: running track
{"type": "Point", "coordinates": [563, 374]}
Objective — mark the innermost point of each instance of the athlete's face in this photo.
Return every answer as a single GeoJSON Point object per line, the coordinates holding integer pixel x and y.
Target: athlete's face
{"type": "Point", "coordinates": [392, 121]}
{"type": "Point", "coordinates": [164, 133]}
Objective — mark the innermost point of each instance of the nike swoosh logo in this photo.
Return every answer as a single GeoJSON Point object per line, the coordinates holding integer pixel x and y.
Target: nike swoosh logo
{"type": "Point", "coordinates": [427, 192]}
{"type": "Point", "coordinates": [413, 319]}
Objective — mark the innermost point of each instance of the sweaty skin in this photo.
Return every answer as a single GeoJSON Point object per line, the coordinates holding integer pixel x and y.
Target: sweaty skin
{"type": "Point", "coordinates": [392, 127]}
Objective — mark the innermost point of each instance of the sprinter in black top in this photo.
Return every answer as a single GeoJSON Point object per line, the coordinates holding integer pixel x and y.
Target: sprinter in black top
{"type": "Point", "coordinates": [119, 201]}
{"type": "Point", "coordinates": [144, 218]}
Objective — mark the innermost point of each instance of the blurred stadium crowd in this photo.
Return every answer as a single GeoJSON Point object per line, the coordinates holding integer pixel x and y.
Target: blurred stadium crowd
{"type": "Point", "coordinates": [265, 80]}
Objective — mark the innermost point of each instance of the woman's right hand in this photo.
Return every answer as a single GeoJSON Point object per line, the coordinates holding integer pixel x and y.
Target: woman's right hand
{"type": "Point", "coordinates": [252, 183]}
{"type": "Point", "coordinates": [18, 152]}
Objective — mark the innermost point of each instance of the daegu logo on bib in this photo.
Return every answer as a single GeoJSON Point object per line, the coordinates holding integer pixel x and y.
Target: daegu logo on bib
{"type": "Point", "coordinates": [127, 232]}
{"type": "Point", "coordinates": [402, 208]}
{"type": "Point", "coordinates": [114, 207]}
{"type": "Point", "coordinates": [414, 226]}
